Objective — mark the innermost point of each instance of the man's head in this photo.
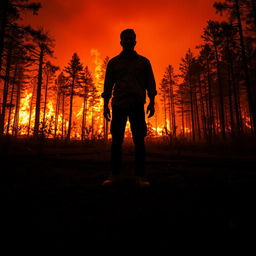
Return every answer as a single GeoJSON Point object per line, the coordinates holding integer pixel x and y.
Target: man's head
{"type": "Point", "coordinates": [128, 39]}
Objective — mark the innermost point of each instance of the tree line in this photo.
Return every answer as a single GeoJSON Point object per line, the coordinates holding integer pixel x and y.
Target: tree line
{"type": "Point", "coordinates": [212, 96]}
{"type": "Point", "coordinates": [25, 66]}
{"type": "Point", "coordinates": [214, 92]}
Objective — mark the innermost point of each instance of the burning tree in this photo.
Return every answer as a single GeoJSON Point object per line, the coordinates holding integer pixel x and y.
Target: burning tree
{"type": "Point", "coordinates": [167, 92]}
{"type": "Point", "coordinates": [41, 48]}
{"type": "Point", "coordinates": [12, 46]}
{"type": "Point", "coordinates": [86, 87]}
{"type": "Point", "coordinates": [49, 72]}
{"type": "Point", "coordinates": [61, 93]}
{"type": "Point", "coordinates": [74, 71]}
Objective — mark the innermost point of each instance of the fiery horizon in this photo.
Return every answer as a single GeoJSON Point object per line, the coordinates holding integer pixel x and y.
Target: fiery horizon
{"type": "Point", "coordinates": [48, 119]}
{"type": "Point", "coordinates": [194, 95]}
{"type": "Point", "coordinates": [165, 29]}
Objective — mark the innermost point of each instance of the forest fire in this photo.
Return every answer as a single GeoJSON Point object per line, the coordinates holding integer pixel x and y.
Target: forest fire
{"type": "Point", "coordinates": [52, 125]}
{"type": "Point", "coordinates": [211, 95]}
{"type": "Point", "coordinates": [63, 172]}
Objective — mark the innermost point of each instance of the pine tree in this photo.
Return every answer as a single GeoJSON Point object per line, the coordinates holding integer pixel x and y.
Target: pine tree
{"type": "Point", "coordinates": [212, 35]}
{"type": "Point", "coordinates": [86, 85]}
{"type": "Point", "coordinates": [235, 12]}
{"type": "Point", "coordinates": [206, 57]}
{"type": "Point", "coordinates": [12, 11]}
{"type": "Point", "coordinates": [169, 82]}
{"type": "Point", "coordinates": [186, 73]}
{"type": "Point", "coordinates": [74, 71]}
{"type": "Point", "coordinates": [42, 47]}
{"type": "Point", "coordinates": [49, 72]}
{"type": "Point", "coordinates": [163, 99]}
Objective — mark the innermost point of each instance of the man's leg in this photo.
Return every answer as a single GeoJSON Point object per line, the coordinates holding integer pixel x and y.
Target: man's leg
{"type": "Point", "coordinates": [118, 123]}
{"type": "Point", "coordinates": [139, 131]}
{"type": "Point", "coordinates": [116, 155]}
{"type": "Point", "coordinates": [139, 156]}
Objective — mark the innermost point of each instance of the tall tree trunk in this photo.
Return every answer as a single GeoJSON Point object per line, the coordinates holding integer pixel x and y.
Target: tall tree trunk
{"type": "Point", "coordinates": [10, 110]}
{"type": "Point", "coordinates": [217, 111]}
{"type": "Point", "coordinates": [230, 88]}
{"type": "Point", "coordinates": [233, 89]}
{"type": "Point", "coordinates": [239, 108]}
{"type": "Point", "coordinates": [197, 115]}
{"type": "Point", "coordinates": [71, 108]}
{"type": "Point", "coordinates": [215, 116]}
{"type": "Point", "coordinates": [249, 88]}
{"type": "Point", "coordinates": [221, 98]}
{"type": "Point", "coordinates": [92, 119]}
{"type": "Point", "coordinates": [17, 109]}
{"type": "Point", "coordinates": [206, 99]}
{"type": "Point", "coordinates": [63, 116]}
{"type": "Point", "coordinates": [11, 100]}
{"type": "Point", "coordinates": [31, 108]}
{"type": "Point", "coordinates": [231, 112]}
{"type": "Point", "coordinates": [45, 98]}
{"type": "Point", "coordinates": [105, 130]}
{"type": "Point", "coordinates": [173, 110]}
{"type": "Point", "coordinates": [57, 109]}
{"type": "Point", "coordinates": [92, 123]}
{"type": "Point", "coordinates": [83, 119]}
{"type": "Point", "coordinates": [85, 115]}
{"type": "Point", "coordinates": [38, 94]}
{"type": "Point", "coordinates": [192, 108]}
{"type": "Point", "coordinates": [156, 120]}
{"type": "Point", "coordinates": [5, 92]}
{"type": "Point", "coordinates": [237, 104]}
{"type": "Point", "coordinates": [182, 118]}
{"type": "Point", "coordinates": [165, 116]}
{"type": "Point", "coordinates": [170, 112]}
{"type": "Point", "coordinates": [174, 120]}
{"type": "Point", "coordinates": [203, 118]}
{"type": "Point", "coordinates": [210, 100]}
{"type": "Point", "coordinates": [189, 124]}
{"type": "Point", "coordinates": [2, 32]}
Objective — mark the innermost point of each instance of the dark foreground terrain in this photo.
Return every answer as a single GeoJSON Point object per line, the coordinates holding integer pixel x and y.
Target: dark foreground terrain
{"type": "Point", "coordinates": [57, 190]}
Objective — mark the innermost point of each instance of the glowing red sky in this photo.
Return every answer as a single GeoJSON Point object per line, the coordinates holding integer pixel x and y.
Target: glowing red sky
{"type": "Point", "coordinates": [165, 28]}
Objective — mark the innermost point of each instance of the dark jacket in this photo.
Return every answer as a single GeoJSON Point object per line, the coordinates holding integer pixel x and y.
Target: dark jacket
{"type": "Point", "coordinates": [129, 77]}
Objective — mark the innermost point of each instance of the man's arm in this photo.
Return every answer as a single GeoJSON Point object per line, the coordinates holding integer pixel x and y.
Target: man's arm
{"type": "Point", "coordinates": [151, 89]}
{"type": "Point", "coordinates": [107, 93]}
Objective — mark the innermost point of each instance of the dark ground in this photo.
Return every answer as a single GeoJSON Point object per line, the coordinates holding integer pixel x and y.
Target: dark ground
{"type": "Point", "coordinates": [193, 192]}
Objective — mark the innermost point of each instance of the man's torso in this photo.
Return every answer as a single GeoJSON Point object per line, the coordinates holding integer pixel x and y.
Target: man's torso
{"type": "Point", "coordinates": [129, 74]}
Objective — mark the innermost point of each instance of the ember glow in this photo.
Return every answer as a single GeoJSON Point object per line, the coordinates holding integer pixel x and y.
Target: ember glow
{"type": "Point", "coordinates": [169, 34]}
{"type": "Point", "coordinates": [92, 29]}
{"type": "Point", "coordinates": [49, 121]}
{"type": "Point", "coordinates": [56, 126]}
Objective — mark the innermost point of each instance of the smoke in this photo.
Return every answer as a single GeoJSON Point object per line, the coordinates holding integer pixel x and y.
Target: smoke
{"type": "Point", "coordinates": [165, 28]}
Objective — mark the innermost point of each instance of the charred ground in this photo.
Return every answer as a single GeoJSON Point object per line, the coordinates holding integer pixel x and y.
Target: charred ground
{"type": "Point", "coordinates": [55, 187]}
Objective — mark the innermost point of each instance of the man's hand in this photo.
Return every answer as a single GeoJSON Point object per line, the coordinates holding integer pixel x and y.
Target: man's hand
{"type": "Point", "coordinates": [151, 109]}
{"type": "Point", "coordinates": [107, 114]}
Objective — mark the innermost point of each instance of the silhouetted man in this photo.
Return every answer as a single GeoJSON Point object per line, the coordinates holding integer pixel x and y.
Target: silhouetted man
{"type": "Point", "coordinates": [128, 77]}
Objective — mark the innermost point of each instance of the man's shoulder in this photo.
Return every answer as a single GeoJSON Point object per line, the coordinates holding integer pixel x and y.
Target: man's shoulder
{"type": "Point", "coordinates": [117, 58]}
{"type": "Point", "coordinates": [143, 59]}
{"type": "Point", "coordinates": [114, 60]}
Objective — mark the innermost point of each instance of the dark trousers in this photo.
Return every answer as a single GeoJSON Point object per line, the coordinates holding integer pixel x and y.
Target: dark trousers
{"type": "Point", "coordinates": [136, 116]}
